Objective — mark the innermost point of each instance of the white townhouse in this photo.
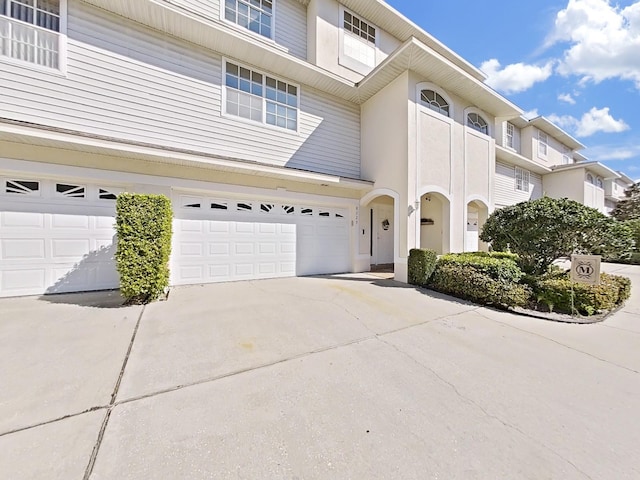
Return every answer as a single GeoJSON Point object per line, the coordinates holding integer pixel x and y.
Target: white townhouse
{"type": "Point", "coordinates": [294, 137]}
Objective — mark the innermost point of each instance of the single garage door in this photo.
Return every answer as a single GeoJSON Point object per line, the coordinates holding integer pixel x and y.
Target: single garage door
{"type": "Point", "coordinates": [222, 239]}
{"type": "Point", "coordinates": [56, 236]}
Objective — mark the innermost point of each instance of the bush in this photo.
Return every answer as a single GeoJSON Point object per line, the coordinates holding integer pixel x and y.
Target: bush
{"type": "Point", "coordinates": [143, 224]}
{"type": "Point", "coordinates": [422, 263]}
{"type": "Point", "coordinates": [465, 281]}
{"type": "Point", "coordinates": [498, 266]}
{"type": "Point", "coordinates": [555, 293]}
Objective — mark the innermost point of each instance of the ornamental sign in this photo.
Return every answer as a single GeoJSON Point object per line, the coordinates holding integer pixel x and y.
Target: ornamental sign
{"type": "Point", "coordinates": [586, 269]}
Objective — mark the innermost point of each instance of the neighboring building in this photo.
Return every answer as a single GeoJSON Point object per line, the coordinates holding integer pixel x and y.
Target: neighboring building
{"type": "Point", "coordinates": [294, 137]}
{"type": "Point", "coordinates": [614, 190]}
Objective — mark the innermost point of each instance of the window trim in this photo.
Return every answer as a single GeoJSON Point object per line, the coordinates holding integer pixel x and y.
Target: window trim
{"type": "Point", "coordinates": [270, 39]}
{"type": "Point", "coordinates": [347, 61]}
{"type": "Point", "coordinates": [263, 122]}
{"type": "Point", "coordinates": [542, 154]}
{"type": "Point", "coordinates": [524, 174]}
{"type": "Point", "coordinates": [511, 135]}
{"type": "Point", "coordinates": [473, 126]}
{"type": "Point", "coordinates": [62, 44]}
{"type": "Point", "coordinates": [566, 155]}
{"type": "Point", "coordinates": [435, 88]}
{"type": "Point", "coordinates": [481, 114]}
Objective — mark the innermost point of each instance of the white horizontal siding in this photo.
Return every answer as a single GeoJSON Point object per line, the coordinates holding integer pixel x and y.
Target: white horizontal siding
{"type": "Point", "coordinates": [290, 21]}
{"type": "Point", "coordinates": [291, 27]}
{"type": "Point", "coordinates": [140, 86]}
{"type": "Point", "coordinates": [505, 186]}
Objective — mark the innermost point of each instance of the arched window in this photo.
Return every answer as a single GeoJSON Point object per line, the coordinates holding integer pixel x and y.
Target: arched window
{"type": "Point", "coordinates": [478, 123]}
{"type": "Point", "coordinates": [599, 183]}
{"type": "Point", "coordinates": [434, 101]}
{"type": "Point", "coordinates": [590, 179]}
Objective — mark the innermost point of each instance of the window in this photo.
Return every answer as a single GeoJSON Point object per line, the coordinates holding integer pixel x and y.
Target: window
{"type": "Point", "coordinates": [108, 193]}
{"type": "Point", "coordinates": [509, 136]}
{"type": "Point", "coordinates": [254, 15]}
{"type": "Point", "coordinates": [70, 191]}
{"type": "Point", "coordinates": [599, 183]}
{"type": "Point", "coordinates": [22, 187]}
{"type": "Point", "coordinates": [590, 179]}
{"type": "Point", "coordinates": [261, 98]}
{"type": "Point", "coordinates": [245, 207]}
{"type": "Point", "coordinates": [543, 144]}
{"type": "Point", "coordinates": [30, 31]}
{"type": "Point", "coordinates": [522, 179]}
{"type": "Point", "coordinates": [359, 41]}
{"type": "Point", "coordinates": [566, 159]}
{"type": "Point", "coordinates": [434, 101]}
{"type": "Point", "coordinates": [478, 123]}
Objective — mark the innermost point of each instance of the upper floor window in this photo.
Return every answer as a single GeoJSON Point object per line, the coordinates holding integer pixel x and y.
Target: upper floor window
{"type": "Point", "coordinates": [478, 123]}
{"type": "Point", "coordinates": [255, 15]}
{"type": "Point", "coordinates": [590, 179]}
{"type": "Point", "coordinates": [543, 144]}
{"type": "Point", "coordinates": [359, 39]}
{"type": "Point", "coordinates": [566, 159]}
{"type": "Point", "coordinates": [509, 137]}
{"type": "Point", "coordinates": [434, 101]}
{"type": "Point", "coordinates": [29, 31]}
{"type": "Point", "coordinates": [522, 179]}
{"type": "Point", "coordinates": [261, 98]}
{"type": "Point", "coordinates": [599, 182]}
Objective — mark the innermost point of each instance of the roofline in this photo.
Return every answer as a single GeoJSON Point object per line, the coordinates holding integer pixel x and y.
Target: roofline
{"type": "Point", "coordinates": [599, 168]}
{"type": "Point", "coordinates": [555, 131]}
{"type": "Point", "coordinates": [108, 145]}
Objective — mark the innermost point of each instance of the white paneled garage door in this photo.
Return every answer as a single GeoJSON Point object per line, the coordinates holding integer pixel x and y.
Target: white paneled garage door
{"type": "Point", "coordinates": [221, 239]}
{"type": "Point", "coordinates": [56, 236]}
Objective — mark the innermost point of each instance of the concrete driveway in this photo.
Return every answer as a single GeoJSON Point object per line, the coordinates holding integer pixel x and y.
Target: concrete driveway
{"type": "Point", "coordinates": [346, 377]}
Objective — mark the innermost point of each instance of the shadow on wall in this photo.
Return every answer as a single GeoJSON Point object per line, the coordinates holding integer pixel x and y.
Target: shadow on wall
{"type": "Point", "coordinates": [92, 282]}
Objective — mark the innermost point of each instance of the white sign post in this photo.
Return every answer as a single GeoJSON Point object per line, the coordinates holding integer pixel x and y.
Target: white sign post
{"type": "Point", "coordinates": [586, 269]}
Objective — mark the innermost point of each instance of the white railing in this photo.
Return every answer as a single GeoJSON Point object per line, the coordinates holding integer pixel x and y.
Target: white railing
{"type": "Point", "coordinates": [28, 43]}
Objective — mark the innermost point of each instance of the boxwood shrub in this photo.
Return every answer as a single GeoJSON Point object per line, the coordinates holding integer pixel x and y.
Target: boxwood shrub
{"type": "Point", "coordinates": [422, 263]}
{"type": "Point", "coordinates": [470, 281]}
{"type": "Point", "coordinates": [555, 293]}
{"type": "Point", "coordinates": [143, 224]}
{"type": "Point", "coordinates": [499, 267]}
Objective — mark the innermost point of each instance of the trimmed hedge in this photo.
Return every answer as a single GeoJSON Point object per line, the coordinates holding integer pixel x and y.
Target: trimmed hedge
{"type": "Point", "coordinates": [469, 281]}
{"type": "Point", "coordinates": [499, 267]}
{"type": "Point", "coordinates": [555, 293]}
{"type": "Point", "coordinates": [422, 263]}
{"type": "Point", "coordinates": [143, 224]}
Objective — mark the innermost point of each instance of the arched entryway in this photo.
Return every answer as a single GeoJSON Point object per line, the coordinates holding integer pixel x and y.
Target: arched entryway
{"type": "Point", "coordinates": [477, 214]}
{"type": "Point", "coordinates": [379, 230]}
{"type": "Point", "coordinates": [435, 227]}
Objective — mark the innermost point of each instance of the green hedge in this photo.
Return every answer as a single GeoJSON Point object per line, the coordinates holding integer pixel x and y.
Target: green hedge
{"type": "Point", "coordinates": [499, 267]}
{"type": "Point", "coordinates": [422, 263]}
{"type": "Point", "coordinates": [555, 293]}
{"type": "Point", "coordinates": [143, 224]}
{"type": "Point", "coordinates": [465, 280]}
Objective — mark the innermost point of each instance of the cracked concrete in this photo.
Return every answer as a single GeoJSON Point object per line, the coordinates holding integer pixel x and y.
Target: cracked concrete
{"type": "Point", "coordinates": [348, 376]}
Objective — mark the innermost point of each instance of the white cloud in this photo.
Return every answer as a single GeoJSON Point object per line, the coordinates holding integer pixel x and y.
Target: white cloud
{"type": "Point", "coordinates": [604, 40]}
{"type": "Point", "coordinates": [604, 153]}
{"type": "Point", "coordinates": [516, 77]}
{"type": "Point", "coordinates": [594, 121]}
{"type": "Point", "coordinates": [531, 114]}
{"type": "Point", "coordinates": [566, 97]}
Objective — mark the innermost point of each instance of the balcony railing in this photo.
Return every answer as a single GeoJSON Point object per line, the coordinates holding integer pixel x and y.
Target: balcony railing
{"type": "Point", "coordinates": [29, 43]}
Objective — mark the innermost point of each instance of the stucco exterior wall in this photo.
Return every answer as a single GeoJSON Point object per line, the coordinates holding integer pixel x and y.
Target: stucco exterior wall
{"type": "Point", "coordinates": [568, 184]}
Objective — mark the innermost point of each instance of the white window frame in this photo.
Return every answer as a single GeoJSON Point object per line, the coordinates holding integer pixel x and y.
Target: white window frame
{"type": "Point", "coordinates": [599, 182]}
{"type": "Point", "coordinates": [522, 179]}
{"type": "Point", "coordinates": [263, 121]}
{"type": "Point", "coordinates": [472, 124]}
{"type": "Point", "coordinates": [566, 158]}
{"type": "Point", "coordinates": [348, 61]}
{"type": "Point", "coordinates": [510, 135]}
{"type": "Point", "coordinates": [61, 36]}
{"type": "Point", "coordinates": [435, 88]}
{"type": "Point", "coordinates": [543, 144]}
{"type": "Point", "coordinates": [223, 17]}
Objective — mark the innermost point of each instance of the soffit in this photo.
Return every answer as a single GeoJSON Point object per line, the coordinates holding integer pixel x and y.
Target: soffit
{"type": "Point", "coordinates": [514, 158]}
{"type": "Point", "coordinates": [594, 167]}
{"type": "Point", "coordinates": [416, 56]}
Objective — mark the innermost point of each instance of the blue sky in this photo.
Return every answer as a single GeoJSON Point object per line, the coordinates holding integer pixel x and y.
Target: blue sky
{"type": "Point", "coordinates": [577, 62]}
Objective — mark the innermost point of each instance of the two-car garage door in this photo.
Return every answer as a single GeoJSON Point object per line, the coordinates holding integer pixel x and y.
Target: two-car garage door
{"type": "Point", "coordinates": [59, 236]}
{"type": "Point", "coordinates": [221, 239]}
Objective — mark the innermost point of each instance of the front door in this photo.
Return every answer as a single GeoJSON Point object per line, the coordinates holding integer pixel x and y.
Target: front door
{"type": "Point", "coordinates": [383, 238]}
